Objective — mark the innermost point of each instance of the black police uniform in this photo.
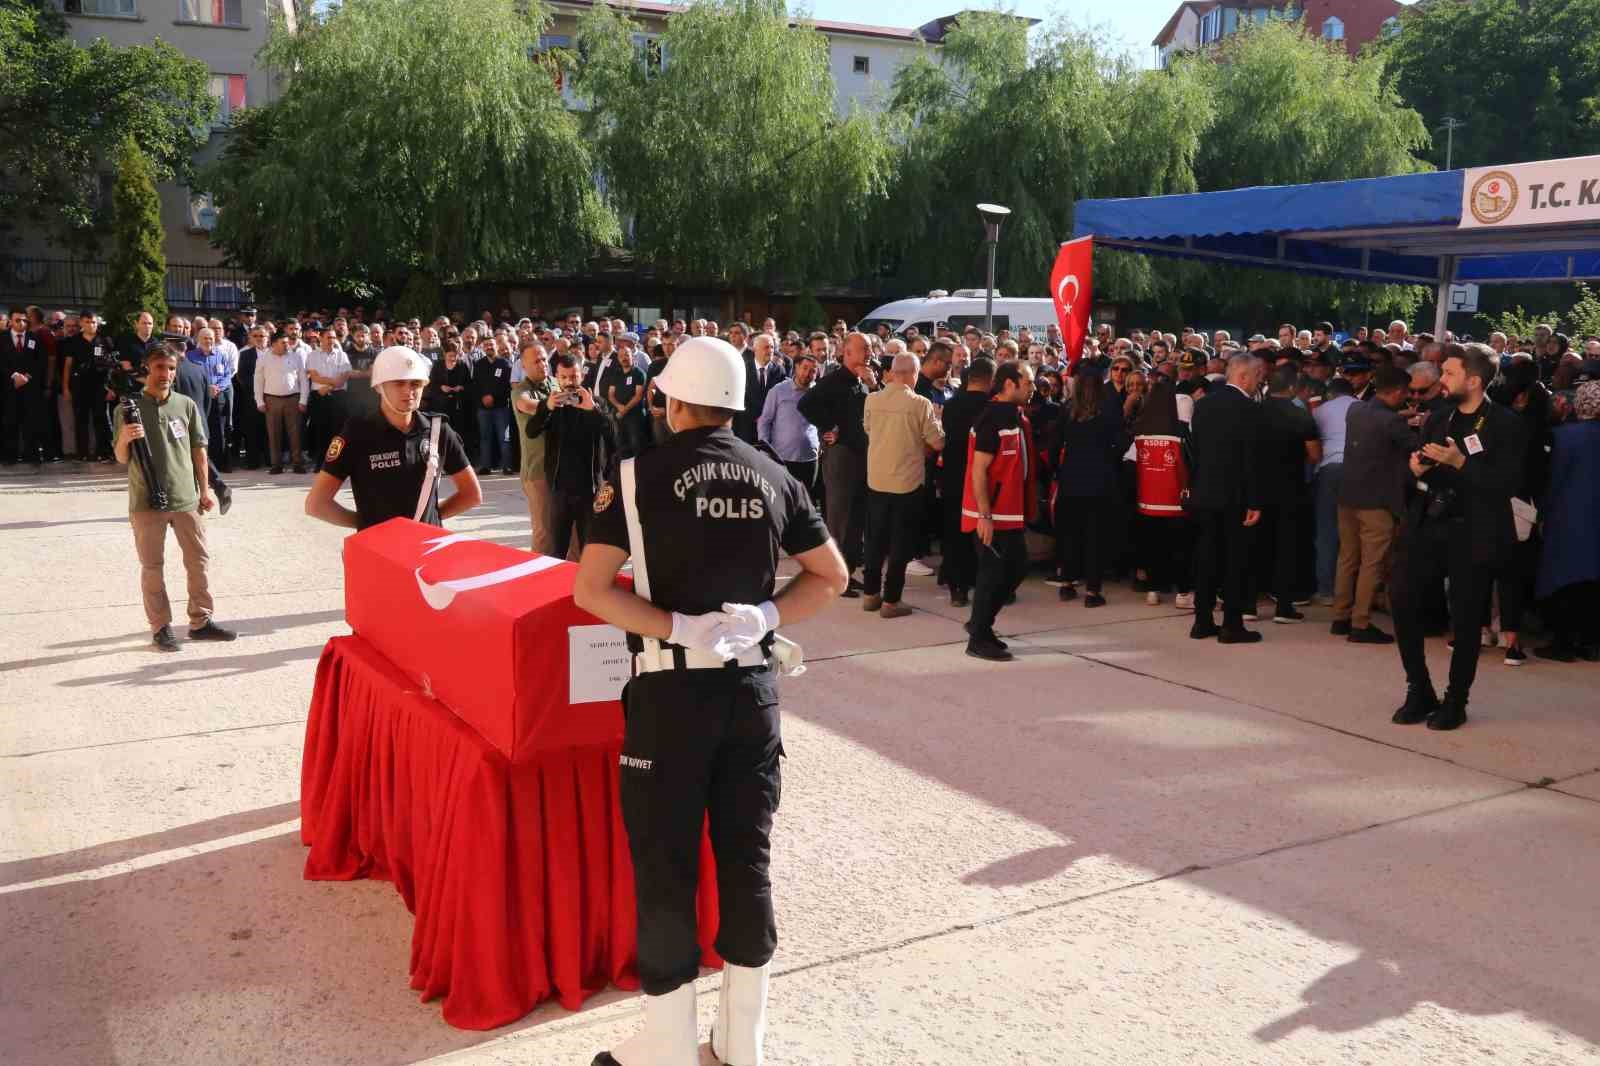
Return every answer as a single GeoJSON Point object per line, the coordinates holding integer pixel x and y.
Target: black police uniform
{"type": "Point", "coordinates": [713, 513]}
{"type": "Point", "coordinates": [386, 466]}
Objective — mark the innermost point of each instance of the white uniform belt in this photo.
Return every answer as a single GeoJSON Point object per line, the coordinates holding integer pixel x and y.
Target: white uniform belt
{"type": "Point", "coordinates": [659, 658]}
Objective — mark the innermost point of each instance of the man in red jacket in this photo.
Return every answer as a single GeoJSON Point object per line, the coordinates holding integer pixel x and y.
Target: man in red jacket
{"type": "Point", "coordinates": [999, 502]}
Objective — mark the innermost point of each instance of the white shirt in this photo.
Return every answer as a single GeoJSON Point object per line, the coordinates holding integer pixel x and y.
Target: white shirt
{"type": "Point", "coordinates": [330, 365]}
{"type": "Point", "coordinates": [281, 375]}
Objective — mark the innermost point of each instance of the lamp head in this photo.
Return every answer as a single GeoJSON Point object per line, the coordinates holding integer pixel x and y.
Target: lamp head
{"type": "Point", "coordinates": [992, 215]}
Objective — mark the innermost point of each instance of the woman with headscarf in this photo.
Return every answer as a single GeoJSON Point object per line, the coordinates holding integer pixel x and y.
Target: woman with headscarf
{"type": "Point", "coordinates": [1164, 534]}
{"type": "Point", "coordinates": [1569, 569]}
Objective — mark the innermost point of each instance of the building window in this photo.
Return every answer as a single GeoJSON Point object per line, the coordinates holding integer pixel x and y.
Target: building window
{"type": "Point", "coordinates": [648, 48]}
{"type": "Point", "coordinates": [1258, 15]}
{"type": "Point", "coordinates": [228, 91]}
{"type": "Point", "coordinates": [122, 8]}
{"type": "Point", "coordinates": [1332, 28]}
{"type": "Point", "coordinates": [212, 12]}
{"type": "Point", "coordinates": [1391, 26]}
{"type": "Point", "coordinates": [202, 213]}
{"type": "Point", "coordinates": [861, 65]}
{"type": "Point", "coordinates": [1211, 26]}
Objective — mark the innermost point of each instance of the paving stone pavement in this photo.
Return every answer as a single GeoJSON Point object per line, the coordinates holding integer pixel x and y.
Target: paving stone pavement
{"type": "Point", "coordinates": [1124, 847]}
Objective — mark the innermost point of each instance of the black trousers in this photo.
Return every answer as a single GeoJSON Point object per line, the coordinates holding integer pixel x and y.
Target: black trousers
{"type": "Point", "coordinates": [1221, 562]}
{"type": "Point", "coordinates": [1423, 555]}
{"type": "Point", "coordinates": [1166, 551]}
{"type": "Point", "coordinates": [845, 473]}
{"type": "Point", "coordinates": [1002, 565]}
{"type": "Point", "coordinates": [1513, 580]}
{"type": "Point", "coordinates": [1289, 528]}
{"type": "Point", "coordinates": [219, 427]}
{"type": "Point", "coordinates": [91, 417]}
{"type": "Point", "coordinates": [326, 415]}
{"type": "Point", "coordinates": [569, 510]}
{"type": "Point", "coordinates": [960, 564]}
{"type": "Point", "coordinates": [804, 472]}
{"type": "Point", "coordinates": [1084, 529]}
{"type": "Point", "coordinates": [26, 429]}
{"type": "Point", "coordinates": [1574, 614]}
{"type": "Point", "coordinates": [249, 430]}
{"type": "Point", "coordinates": [699, 743]}
{"type": "Point", "coordinates": [893, 521]}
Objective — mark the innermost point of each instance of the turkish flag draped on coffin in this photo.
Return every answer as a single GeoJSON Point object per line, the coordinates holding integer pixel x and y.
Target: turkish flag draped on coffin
{"type": "Point", "coordinates": [1072, 289]}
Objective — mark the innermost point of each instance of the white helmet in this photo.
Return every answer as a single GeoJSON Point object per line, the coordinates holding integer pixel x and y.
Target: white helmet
{"type": "Point", "coordinates": [707, 371]}
{"type": "Point", "coordinates": [399, 363]}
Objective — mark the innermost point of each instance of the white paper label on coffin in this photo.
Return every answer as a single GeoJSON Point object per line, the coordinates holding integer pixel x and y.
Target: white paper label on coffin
{"type": "Point", "coordinates": [440, 595]}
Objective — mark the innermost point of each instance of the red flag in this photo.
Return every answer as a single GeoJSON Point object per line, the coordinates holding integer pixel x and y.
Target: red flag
{"type": "Point", "coordinates": [1072, 288]}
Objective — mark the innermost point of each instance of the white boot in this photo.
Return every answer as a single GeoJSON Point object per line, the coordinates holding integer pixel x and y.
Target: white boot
{"type": "Point", "coordinates": [669, 1037]}
{"type": "Point", "coordinates": [740, 1030]}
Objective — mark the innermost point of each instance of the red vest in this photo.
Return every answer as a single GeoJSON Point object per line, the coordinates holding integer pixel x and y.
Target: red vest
{"type": "Point", "coordinates": [1163, 476]}
{"type": "Point", "coordinates": [1012, 501]}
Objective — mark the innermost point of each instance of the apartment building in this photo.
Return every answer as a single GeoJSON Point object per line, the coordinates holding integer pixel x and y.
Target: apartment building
{"type": "Point", "coordinates": [1198, 24]}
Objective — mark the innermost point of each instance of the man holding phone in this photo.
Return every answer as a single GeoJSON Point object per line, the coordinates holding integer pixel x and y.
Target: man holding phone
{"type": "Point", "coordinates": [576, 440]}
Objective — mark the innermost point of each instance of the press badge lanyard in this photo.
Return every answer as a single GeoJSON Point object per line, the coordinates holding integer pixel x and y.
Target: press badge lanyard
{"type": "Point", "coordinates": [426, 495]}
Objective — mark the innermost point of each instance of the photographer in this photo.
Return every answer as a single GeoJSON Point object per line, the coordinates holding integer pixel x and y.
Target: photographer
{"type": "Point", "coordinates": [576, 440]}
{"type": "Point", "coordinates": [174, 431]}
{"type": "Point", "coordinates": [1459, 526]}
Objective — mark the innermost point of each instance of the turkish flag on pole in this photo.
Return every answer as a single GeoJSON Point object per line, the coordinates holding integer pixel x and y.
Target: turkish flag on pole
{"type": "Point", "coordinates": [1072, 288]}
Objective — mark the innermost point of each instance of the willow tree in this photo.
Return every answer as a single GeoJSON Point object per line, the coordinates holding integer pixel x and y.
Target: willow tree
{"type": "Point", "coordinates": [414, 137]}
{"type": "Point", "coordinates": [1034, 125]}
{"type": "Point", "coordinates": [721, 143]}
{"type": "Point", "coordinates": [1290, 109]}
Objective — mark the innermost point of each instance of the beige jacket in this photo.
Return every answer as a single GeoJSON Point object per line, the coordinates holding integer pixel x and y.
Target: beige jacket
{"type": "Point", "coordinates": [900, 427]}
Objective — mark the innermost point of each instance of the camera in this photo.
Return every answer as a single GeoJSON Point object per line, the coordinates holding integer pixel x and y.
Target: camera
{"type": "Point", "coordinates": [127, 384]}
{"type": "Point", "coordinates": [569, 398]}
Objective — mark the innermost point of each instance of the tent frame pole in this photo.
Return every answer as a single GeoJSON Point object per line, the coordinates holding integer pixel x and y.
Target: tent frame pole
{"type": "Point", "coordinates": [1441, 310]}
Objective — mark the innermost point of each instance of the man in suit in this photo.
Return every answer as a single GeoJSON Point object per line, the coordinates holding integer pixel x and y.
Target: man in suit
{"type": "Point", "coordinates": [24, 367]}
{"type": "Point", "coordinates": [250, 425]}
{"type": "Point", "coordinates": [1225, 498]}
{"type": "Point", "coordinates": [1458, 526]}
{"type": "Point", "coordinates": [762, 371]}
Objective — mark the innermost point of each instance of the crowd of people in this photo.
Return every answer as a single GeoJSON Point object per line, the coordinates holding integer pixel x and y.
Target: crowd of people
{"type": "Point", "coordinates": [1260, 475]}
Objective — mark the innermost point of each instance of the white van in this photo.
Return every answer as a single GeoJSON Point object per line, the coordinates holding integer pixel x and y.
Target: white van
{"type": "Point", "coordinates": [961, 309]}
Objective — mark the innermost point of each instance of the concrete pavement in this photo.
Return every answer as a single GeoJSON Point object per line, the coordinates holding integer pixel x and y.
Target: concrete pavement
{"type": "Point", "coordinates": [1125, 847]}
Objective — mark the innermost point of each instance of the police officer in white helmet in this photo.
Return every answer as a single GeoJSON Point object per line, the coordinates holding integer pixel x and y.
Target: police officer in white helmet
{"type": "Point", "coordinates": [704, 517]}
{"type": "Point", "coordinates": [393, 456]}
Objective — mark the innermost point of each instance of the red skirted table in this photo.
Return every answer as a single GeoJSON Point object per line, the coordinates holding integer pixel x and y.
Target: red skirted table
{"type": "Point", "coordinates": [514, 864]}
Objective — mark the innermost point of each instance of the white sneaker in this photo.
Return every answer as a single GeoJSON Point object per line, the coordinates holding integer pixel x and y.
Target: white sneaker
{"type": "Point", "coordinates": [918, 568]}
{"type": "Point", "coordinates": [669, 1036]}
{"type": "Point", "coordinates": [1152, 599]}
{"type": "Point", "coordinates": [1184, 601]}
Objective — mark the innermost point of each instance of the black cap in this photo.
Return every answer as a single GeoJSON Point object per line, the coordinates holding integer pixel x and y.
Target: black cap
{"type": "Point", "coordinates": [175, 338]}
{"type": "Point", "coordinates": [1356, 366]}
{"type": "Point", "coordinates": [247, 310]}
{"type": "Point", "coordinates": [1316, 358]}
{"type": "Point", "coordinates": [312, 325]}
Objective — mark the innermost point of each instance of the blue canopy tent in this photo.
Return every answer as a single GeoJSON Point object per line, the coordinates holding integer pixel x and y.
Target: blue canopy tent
{"type": "Point", "coordinates": [1400, 230]}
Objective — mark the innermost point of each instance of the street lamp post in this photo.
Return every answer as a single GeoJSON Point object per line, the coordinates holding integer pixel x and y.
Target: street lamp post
{"type": "Point", "coordinates": [1451, 124]}
{"type": "Point", "coordinates": [993, 215]}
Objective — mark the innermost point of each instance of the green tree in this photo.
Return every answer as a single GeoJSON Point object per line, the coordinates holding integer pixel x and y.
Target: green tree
{"type": "Point", "coordinates": [722, 145]}
{"type": "Point", "coordinates": [63, 106]}
{"type": "Point", "coordinates": [1291, 109]}
{"type": "Point", "coordinates": [988, 118]}
{"type": "Point", "coordinates": [137, 274]}
{"type": "Point", "coordinates": [1515, 322]}
{"type": "Point", "coordinates": [1523, 74]}
{"type": "Point", "coordinates": [1584, 318]}
{"type": "Point", "coordinates": [414, 137]}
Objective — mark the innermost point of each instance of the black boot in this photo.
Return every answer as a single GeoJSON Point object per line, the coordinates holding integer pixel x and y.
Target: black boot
{"type": "Point", "coordinates": [1452, 712]}
{"type": "Point", "coordinates": [1420, 703]}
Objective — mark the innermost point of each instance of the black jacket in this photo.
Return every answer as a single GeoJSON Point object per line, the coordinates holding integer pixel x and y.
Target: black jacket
{"type": "Point", "coordinates": [1484, 485]}
{"type": "Point", "coordinates": [961, 413]}
{"type": "Point", "coordinates": [836, 402]}
{"type": "Point", "coordinates": [492, 378]}
{"type": "Point", "coordinates": [1285, 427]}
{"type": "Point", "coordinates": [1224, 442]}
{"type": "Point", "coordinates": [1088, 454]}
{"type": "Point", "coordinates": [576, 444]}
{"type": "Point", "coordinates": [32, 358]}
{"type": "Point", "coordinates": [1377, 448]}
{"type": "Point", "coordinates": [755, 395]}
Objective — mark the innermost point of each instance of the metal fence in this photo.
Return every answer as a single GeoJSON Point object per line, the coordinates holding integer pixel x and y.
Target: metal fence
{"type": "Point", "coordinates": [80, 284]}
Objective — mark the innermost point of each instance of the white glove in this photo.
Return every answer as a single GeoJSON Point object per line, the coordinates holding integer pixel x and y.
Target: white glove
{"type": "Point", "coordinates": [699, 631]}
{"type": "Point", "coordinates": [747, 624]}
